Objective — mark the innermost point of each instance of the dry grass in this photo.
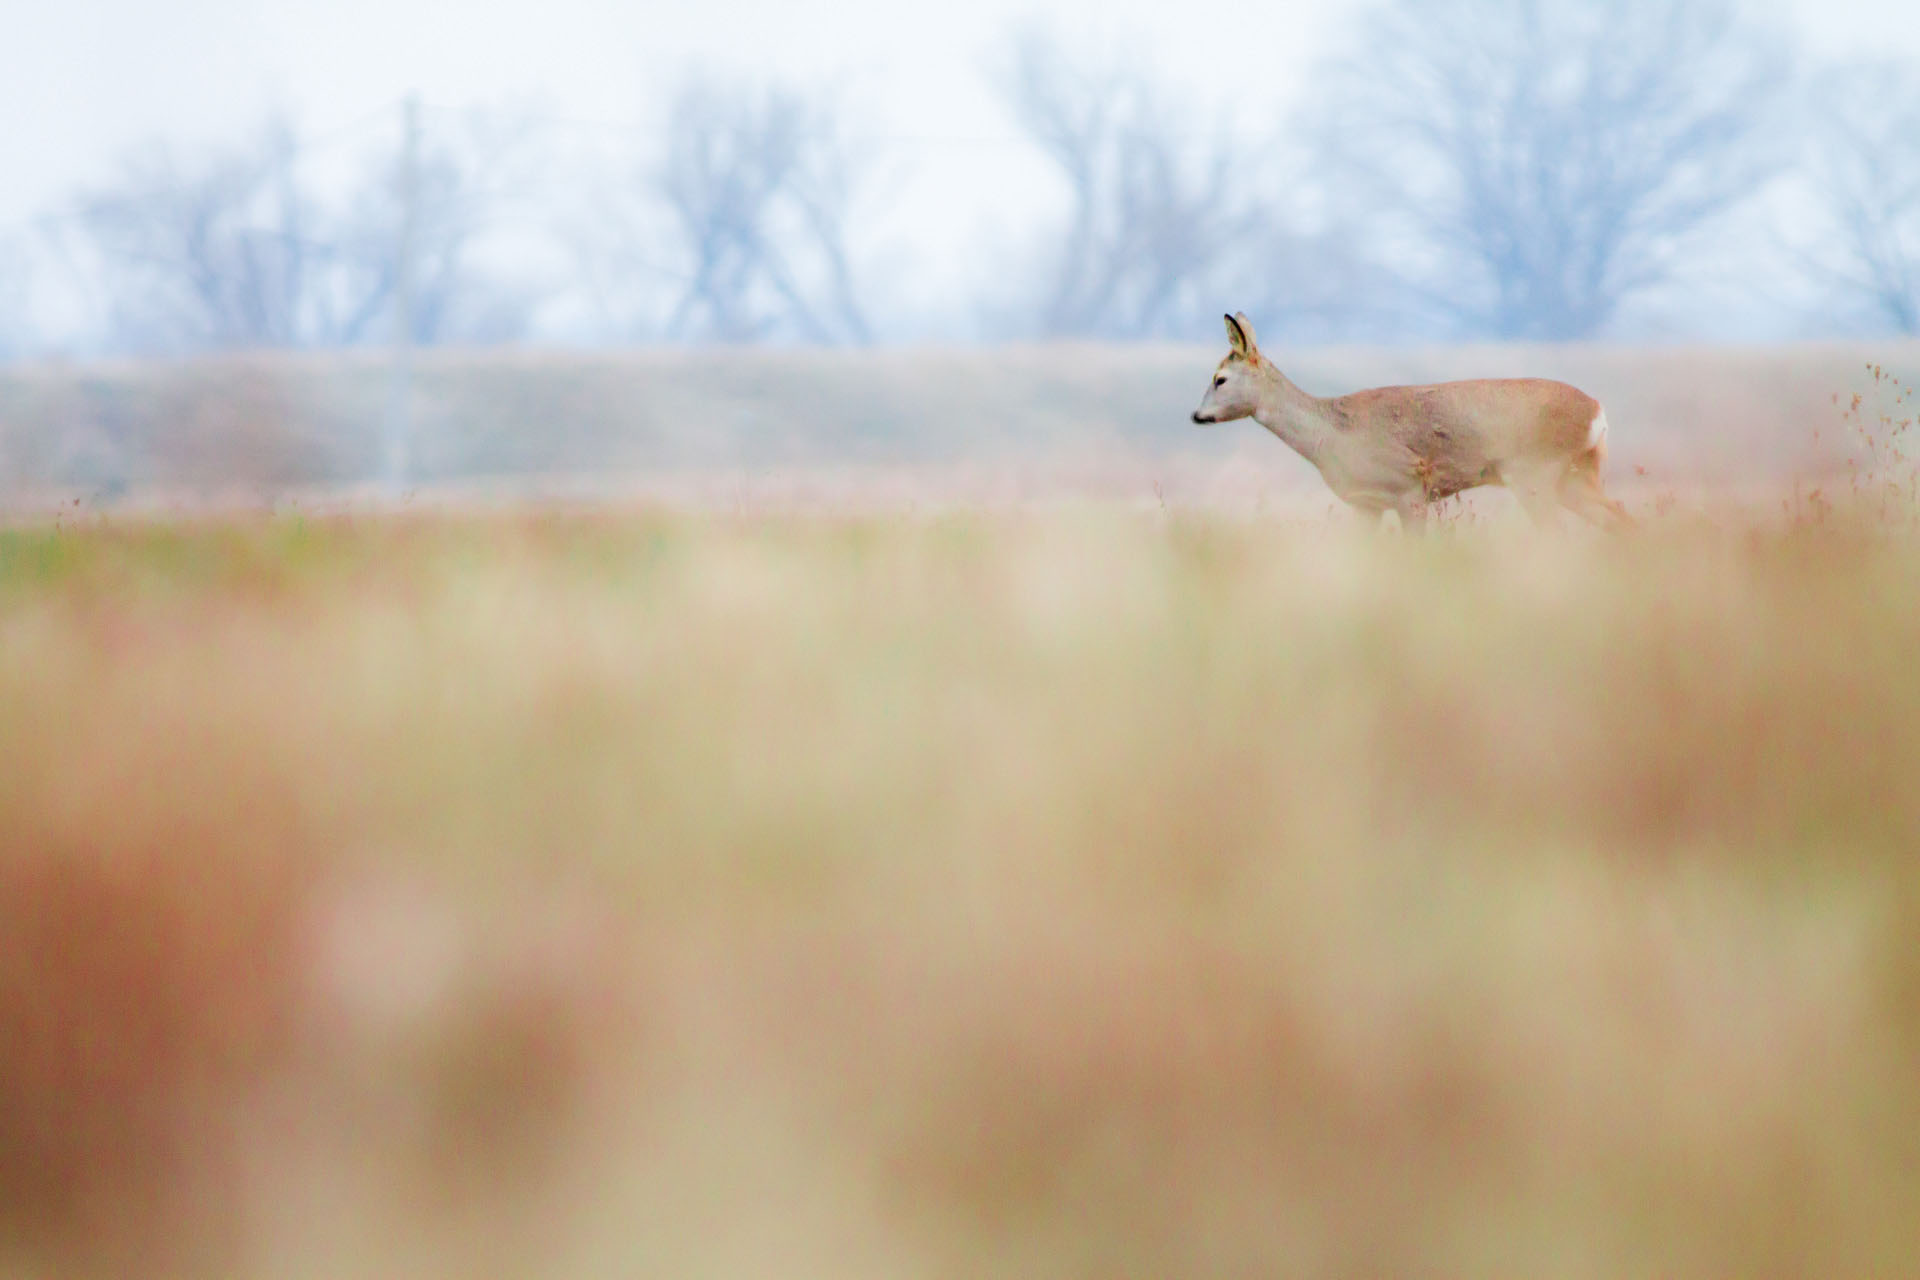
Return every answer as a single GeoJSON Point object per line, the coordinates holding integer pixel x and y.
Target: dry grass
{"type": "Point", "coordinates": [1085, 893]}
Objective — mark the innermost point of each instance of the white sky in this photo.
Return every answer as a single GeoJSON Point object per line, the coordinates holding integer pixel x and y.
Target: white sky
{"type": "Point", "coordinates": [87, 79]}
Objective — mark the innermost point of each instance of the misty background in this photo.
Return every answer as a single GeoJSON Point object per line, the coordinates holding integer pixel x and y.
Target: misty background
{"type": "Point", "coordinates": [534, 241]}
{"type": "Point", "coordinates": [224, 175]}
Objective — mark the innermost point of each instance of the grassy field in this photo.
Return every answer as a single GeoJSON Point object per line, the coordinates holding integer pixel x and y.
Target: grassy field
{"type": "Point", "coordinates": [1080, 892]}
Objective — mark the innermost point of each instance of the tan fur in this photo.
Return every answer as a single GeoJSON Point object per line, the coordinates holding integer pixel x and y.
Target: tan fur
{"type": "Point", "coordinates": [1402, 448]}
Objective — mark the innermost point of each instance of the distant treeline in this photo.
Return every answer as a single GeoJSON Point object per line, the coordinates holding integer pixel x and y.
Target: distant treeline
{"type": "Point", "coordinates": [269, 424]}
{"type": "Point", "coordinates": [1539, 170]}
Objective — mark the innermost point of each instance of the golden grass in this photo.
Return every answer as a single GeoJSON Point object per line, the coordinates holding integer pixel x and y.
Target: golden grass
{"type": "Point", "coordinates": [1086, 893]}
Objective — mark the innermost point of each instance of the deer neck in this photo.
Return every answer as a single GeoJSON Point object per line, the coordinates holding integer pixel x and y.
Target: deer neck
{"type": "Point", "coordinates": [1304, 422]}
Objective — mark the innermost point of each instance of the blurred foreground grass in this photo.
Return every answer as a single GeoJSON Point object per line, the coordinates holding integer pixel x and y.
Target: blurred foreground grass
{"type": "Point", "coordinates": [1085, 893]}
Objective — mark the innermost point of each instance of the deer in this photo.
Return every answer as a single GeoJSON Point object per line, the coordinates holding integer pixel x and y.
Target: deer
{"type": "Point", "coordinates": [1394, 451]}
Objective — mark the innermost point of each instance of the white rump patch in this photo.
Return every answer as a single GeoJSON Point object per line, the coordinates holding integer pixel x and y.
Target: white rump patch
{"type": "Point", "coordinates": [1597, 433]}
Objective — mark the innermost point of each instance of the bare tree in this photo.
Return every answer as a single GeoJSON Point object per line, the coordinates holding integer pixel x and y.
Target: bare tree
{"type": "Point", "coordinates": [1527, 166]}
{"type": "Point", "coordinates": [237, 250]}
{"type": "Point", "coordinates": [1157, 210]}
{"type": "Point", "coordinates": [1864, 179]}
{"type": "Point", "coordinates": [464, 179]}
{"type": "Point", "coordinates": [212, 254]}
{"type": "Point", "coordinates": [738, 227]}
{"type": "Point", "coordinates": [759, 188]}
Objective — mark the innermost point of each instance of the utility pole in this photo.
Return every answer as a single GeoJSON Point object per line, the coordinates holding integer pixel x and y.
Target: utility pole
{"type": "Point", "coordinates": [399, 441]}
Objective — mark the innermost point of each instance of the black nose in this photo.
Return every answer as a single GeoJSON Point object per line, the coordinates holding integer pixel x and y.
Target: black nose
{"type": "Point", "coordinates": [1200, 421]}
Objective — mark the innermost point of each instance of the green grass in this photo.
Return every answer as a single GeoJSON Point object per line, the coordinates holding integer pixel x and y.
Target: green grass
{"type": "Point", "coordinates": [1081, 893]}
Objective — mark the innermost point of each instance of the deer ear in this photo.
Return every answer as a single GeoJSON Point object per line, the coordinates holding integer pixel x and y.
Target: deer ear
{"type": "Point", "coordinates": [1245, 343]}
{"type": "Point", "coordinates": [1240, 335]}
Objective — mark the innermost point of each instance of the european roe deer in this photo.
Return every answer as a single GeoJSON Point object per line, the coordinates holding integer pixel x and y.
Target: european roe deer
{"type": "Point", "coordinates": [1401, 448]}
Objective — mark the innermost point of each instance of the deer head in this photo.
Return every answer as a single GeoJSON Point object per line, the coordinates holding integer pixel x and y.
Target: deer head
{"type": "Point", "coordinates": [1234, 392]}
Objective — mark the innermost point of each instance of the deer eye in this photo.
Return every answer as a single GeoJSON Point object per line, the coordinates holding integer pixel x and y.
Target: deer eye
{"type": "Point", "coordinates": [1220, 381]}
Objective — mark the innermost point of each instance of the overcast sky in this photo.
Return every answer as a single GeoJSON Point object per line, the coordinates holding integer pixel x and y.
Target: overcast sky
{"type": "Point", "coordinates": [88, 79]}
{"type": "Point", "coordinates": [85, 79]}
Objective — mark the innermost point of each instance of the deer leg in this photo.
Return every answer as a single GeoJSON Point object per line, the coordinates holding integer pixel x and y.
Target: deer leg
{"type": "Point", "coordinates": [1535, 488]}
{"type": "Point", "coordinates": [1581, 492]}
{"type": "Point", "coordinates": [1372, 507]}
